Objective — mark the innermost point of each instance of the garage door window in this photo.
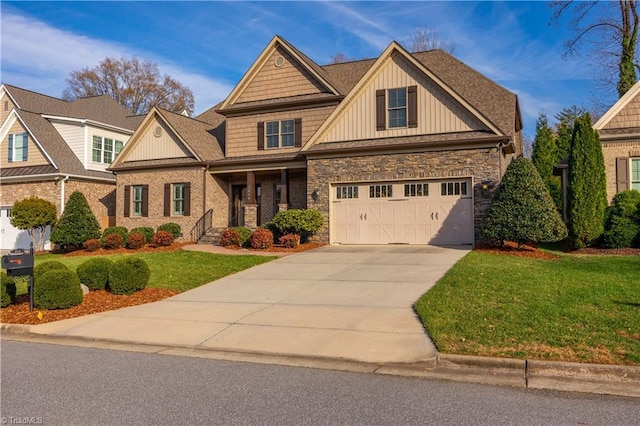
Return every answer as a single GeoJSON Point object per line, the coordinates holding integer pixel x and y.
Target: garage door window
{"type": "Point", "coordinates": [380, 191]}
{"type": "Point", "coordinates": [453, 188]}
{"type": "Point", "coordinates": [346, 192]}
{"type": "Point", "coordinates": [416, 190]}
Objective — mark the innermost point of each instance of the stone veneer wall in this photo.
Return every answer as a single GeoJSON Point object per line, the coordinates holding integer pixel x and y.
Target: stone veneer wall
{"type": "Point", "coordinates": [199, 177]}
{"type": "Point", "coordinates": [99, 195]}
{"type": "Point", "coordinates": [611, 151]}
{"type": "Point", "coordinates": [483, 165]}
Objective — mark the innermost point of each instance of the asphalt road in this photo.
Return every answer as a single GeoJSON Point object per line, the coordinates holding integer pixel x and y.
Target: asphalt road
{"type": "Point", "coordinates": [51, 384]}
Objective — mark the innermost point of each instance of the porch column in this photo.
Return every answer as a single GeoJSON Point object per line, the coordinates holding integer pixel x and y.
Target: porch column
{"type": "Point", "coordinates": [283, 202]}
{"type": "Point", "coordinates": [251, 203]}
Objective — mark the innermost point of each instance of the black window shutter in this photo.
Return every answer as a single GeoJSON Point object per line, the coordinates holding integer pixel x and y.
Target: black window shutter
{"type": "Point", "coordinates": [127, 200]}
{"type": "Point", "coordinates": [381, 110]}
{"type": "Point", "coordinates": [622, 174]}
{"type": "Point", "coordinates": [145, 200]}
{"type": "Point", "coordinates": [297, 135]}
{"type": "Point", "coordinates": [167, 199]}
{"type": "Point", "coordinates": [261, 136]}
{"type": "Point", "coordinates": [412, 106]}
{"type": "Point", "coordinates": [187, 198]}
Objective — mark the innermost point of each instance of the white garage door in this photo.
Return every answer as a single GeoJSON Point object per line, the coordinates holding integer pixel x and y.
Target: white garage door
{"type": "Point", "coordinates": [413, 212]}
{"type": "Point", "coordinates": [14, 238]}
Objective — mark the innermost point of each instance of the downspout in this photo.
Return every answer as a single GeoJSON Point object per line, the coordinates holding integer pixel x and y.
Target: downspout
{"type": "Point", "coordinates": [205, 170]}
{"type": "Point", "coordinates": [62, 193]}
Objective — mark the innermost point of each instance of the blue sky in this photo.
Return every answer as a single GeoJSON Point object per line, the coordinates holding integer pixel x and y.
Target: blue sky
{"type": "Point", "coordinates": [209, 45]}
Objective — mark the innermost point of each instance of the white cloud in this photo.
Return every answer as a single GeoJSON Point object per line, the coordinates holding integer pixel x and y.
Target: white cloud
{"type": "Point", "coordinates": [41, 58]}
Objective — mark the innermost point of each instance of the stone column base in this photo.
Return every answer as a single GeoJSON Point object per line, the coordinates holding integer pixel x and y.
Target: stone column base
{"type": "Point", "coordinates": [283, 207]}
{"type": "Point", "coordinates": [251, 216]}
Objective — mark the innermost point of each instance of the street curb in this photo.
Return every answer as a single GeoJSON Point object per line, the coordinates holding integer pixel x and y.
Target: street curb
{"type": "Point", "coordinates": [526, 374]}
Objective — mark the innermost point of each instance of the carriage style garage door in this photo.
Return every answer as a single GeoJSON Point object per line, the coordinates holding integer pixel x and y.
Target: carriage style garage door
{"type": "Point", "coordinates": [412, 212]}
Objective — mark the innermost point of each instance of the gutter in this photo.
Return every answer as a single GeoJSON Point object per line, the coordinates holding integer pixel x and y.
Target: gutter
{"type": "Point", "coordinates": [49, 176]}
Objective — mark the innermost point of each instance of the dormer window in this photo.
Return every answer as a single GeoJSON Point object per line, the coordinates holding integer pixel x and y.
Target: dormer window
{"type": "Point", "coordinates": [105, 149]}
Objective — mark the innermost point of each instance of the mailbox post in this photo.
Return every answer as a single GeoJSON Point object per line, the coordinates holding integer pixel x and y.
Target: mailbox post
{"type": "Point", "coordinates": [18, 263]}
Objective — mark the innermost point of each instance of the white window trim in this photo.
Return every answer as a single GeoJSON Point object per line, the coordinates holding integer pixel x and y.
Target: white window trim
{"type": "Point", "coordinates": [631, 180]}
{"type": "Point", "coordinates": [135, 201]}
{"type": "Point", "coordinates": [174, 199]}
{"type": "Point", "coordinates": [114, 151]}
{"type": "Point", "coordinates": [279, 134]}
{"type": "Point", "coordinates": [405, 108]}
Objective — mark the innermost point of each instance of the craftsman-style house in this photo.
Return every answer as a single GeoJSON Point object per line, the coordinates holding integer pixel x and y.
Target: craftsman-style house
{"type": "Point", "coordinates": [50, 147]}
{"type": "Point", "coordinates": [404, 148]}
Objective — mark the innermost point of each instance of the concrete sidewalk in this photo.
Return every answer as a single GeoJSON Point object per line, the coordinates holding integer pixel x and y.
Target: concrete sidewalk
{"type": "Point", "coordinates": [341, 302]}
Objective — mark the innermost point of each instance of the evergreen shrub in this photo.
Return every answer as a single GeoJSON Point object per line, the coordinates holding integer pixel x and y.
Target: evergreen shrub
{"type": "Point", "coordinates": [622, 220]}
{"type": "Point", "coordinates": [77, 223]}
{"type": "Point", "coordinates": [262, 238]}
{"type": "Point", "coordinates": [47, 266]}
{"type": "Point", "coordinates": [92, 245]}
{"type": "Point", "coordinates": [94, 273]}
{"type": "Point", "coordinates": [230, 237]}
{"type": "Point", "coordinates": [57, 289]}
{"type": "Point", "coordinates": [118, 230]}
{"type": "Point", "coordinates": [136, 241]}
{"type": "Point", "coordinates": [290, 240]}
{"type": "Point", "coordinates": [171, 227]}
{"type": "Point", "coordinates": [163, 238]}
{"type": "Point", "coordinates": [128, 276]}
{"type": "Point", "coordinates": [146, 231]}
{"type": "Point", "coordinates": [7, 290]}
{"type": "Point", "coordinates": [303, 222]}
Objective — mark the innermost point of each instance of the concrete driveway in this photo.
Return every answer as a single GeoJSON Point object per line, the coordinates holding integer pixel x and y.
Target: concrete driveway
{"type": "Point", "coordinates": [339, 302]}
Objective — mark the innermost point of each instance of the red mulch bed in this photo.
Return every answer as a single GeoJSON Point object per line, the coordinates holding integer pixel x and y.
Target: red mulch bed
{"type": "Point", "coordinates": [280, 249]}
{"type": "Point", "coordinates": [123, 250]}
{"type": "Point", "coordinates": [608, 252]}
{"type": "Point", "coordinates": [94, 302]}
{"type": "Point", "coordinates": [511, 249]}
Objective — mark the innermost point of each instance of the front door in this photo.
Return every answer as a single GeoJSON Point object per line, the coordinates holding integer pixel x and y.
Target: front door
{"type": "Point", "coordinates": [239, 197]}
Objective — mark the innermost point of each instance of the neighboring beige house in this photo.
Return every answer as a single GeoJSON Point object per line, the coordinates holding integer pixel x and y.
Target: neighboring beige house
{"type": "Point", "coordinates": [404, 148]}
{"type": "Point", "coordinates": [50, 148]}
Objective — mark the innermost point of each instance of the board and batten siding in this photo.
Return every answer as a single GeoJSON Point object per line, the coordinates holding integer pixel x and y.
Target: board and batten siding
{"type": "Point", "coordinates": [152, 147]}
{"type": "Point", "coordinates": [437, 111]}
{"type": "Point", "coordinates": [271, 81]}
{"type": "Point", "coordinates": [242, 135]}
{"type": "Point", "coordinates": [628, 117]}
{"type": "Point", "coordinates": [35, 157]}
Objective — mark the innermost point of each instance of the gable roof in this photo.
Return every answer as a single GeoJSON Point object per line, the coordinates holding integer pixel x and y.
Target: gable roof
{"type": "Point", "coordinates": [617, 107]}
{"type": "Point", "coordinates": [199, 137]}
{"type": "Point", "coordinates": [314, 69]}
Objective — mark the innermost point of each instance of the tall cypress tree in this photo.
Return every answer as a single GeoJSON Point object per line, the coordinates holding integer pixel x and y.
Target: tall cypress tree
{"type": "Point", "coordinates": [77, 223]}
{"type": "Point", "coordinates": [545, 156]}
{"type": "Point", "coordinates": [587, 190]}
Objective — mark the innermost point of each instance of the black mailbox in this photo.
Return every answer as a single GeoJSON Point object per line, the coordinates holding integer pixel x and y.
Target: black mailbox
{"type": "Point", "coordinates": [17, 263]}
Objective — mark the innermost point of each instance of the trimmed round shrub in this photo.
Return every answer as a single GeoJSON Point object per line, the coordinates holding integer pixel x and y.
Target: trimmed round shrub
{"type": "Point", "coordinates": [118, 230]}
{"type": "Point", "coordinates": [92, 245]}
{"type": "Point", "coordinates": [245, 235]}
{"type": "Point", "coordinates": [136, 241]}
{"type": "Point", "coordinates": [290, 240]}
{"type": "Point", "coordinates": [230, 237]}
{"type": "Point", "coordinates": [57, 289]}
{"type": "Point", "coordinates": [303, 222]}
{"type": "Point", "coordinates": [621, 233]}
{"type": "Point", "coordinates": [172, 228]}
{"type": "Point", "coordinates": [262, 238]}
{"type": "Point", "coordinates": [163, 238]}
{"type": "Point", "coordinates": [7, 290]}
{"type": "Point", "coordinates": [94, 273]}
{"type": "Point", "coordinates": [113, 241]}
{"type": "Point", "coordinates": [128, 276]}
{"type": "Point", "coordinates": [146, 231]}
{"type": "Point", "coordinates": [45, 267]}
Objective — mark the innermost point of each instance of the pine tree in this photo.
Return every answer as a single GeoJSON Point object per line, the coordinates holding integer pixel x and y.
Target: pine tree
{"type": "Point", "coordinates": [587, 191]}
{"type": "Point", "coordinates": [522, 209]}
{"type": "Point", "coordinates": [77, 223]}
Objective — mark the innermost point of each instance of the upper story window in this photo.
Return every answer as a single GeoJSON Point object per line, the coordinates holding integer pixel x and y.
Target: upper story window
{"type": "Point", "coordinates": [18, 147]}
{"type": "Point", "coordinates": [397, 107]}
{"type": "Point", "coordinates": [635, 174]}
{"type": "Point", "coordinates": [105, 149]}
{"type": "Point", "coordinates": [280, 134]}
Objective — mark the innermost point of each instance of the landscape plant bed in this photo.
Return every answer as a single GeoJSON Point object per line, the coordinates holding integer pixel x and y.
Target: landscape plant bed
{"type": "Point", "coordinates": [93, 302]}
{"type": "Point", "coordinates": [279, 248]}
{"type": "Point", "coordinates": [512, 249]}
{"type": "Point", "coordinates": [570, 308]}
{"type": "Point", "coordinates": [148, 248]}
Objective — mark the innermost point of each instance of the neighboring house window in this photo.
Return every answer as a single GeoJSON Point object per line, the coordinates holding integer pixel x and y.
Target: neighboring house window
{"type": "Point", "coordinates": [177, 199]}
{"type": "Point", "coordinates": [18, 147]}
{"type": "Point", "coordinates": [105, 149]}
{"type": "Point", "coordinates": [380, 191]}
{"type": "Point", "coordinates": [416, 190]}
{"type": "Point", "coordinates": [397, 108]}
{"type": "Point", "coordinates": [635, 174]}
{"type": "Point", "coordinates": [280, 134]}
{"type": "Point", "coordinates": [346, 192]}
{"type": "Point", "coordinates": [136, 200]}
{"type": "Point", "coordinates": [453, 188]}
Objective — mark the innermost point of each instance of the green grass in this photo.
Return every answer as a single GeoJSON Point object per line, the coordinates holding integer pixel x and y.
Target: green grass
{"type": "Point", "coordinates": [179, 270]}
{"type": "Point", "coordinates": [577, 308]}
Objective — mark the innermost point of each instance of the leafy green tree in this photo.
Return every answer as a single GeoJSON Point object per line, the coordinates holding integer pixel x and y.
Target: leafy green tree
{"type": "Point", "coordinates": [34, 214]}
{"type": "Point", "coordinates": [545, 157]}
{"type": "Point", "coordinates": [522, 209]}
{"type": "Point", "coordinates": [77, 223]}
{"type": "Point", "coordinates": [587, 192]}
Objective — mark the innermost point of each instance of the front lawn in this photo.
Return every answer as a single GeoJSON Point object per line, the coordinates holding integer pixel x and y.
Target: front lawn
{"type": "Point", "coordinates": [573, 308]}
{"type": "Point", "coordinates": [179, 270]}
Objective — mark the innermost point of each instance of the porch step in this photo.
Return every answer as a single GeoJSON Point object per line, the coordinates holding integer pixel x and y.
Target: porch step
{"type": "Point", "coordinates": [212, 236]}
